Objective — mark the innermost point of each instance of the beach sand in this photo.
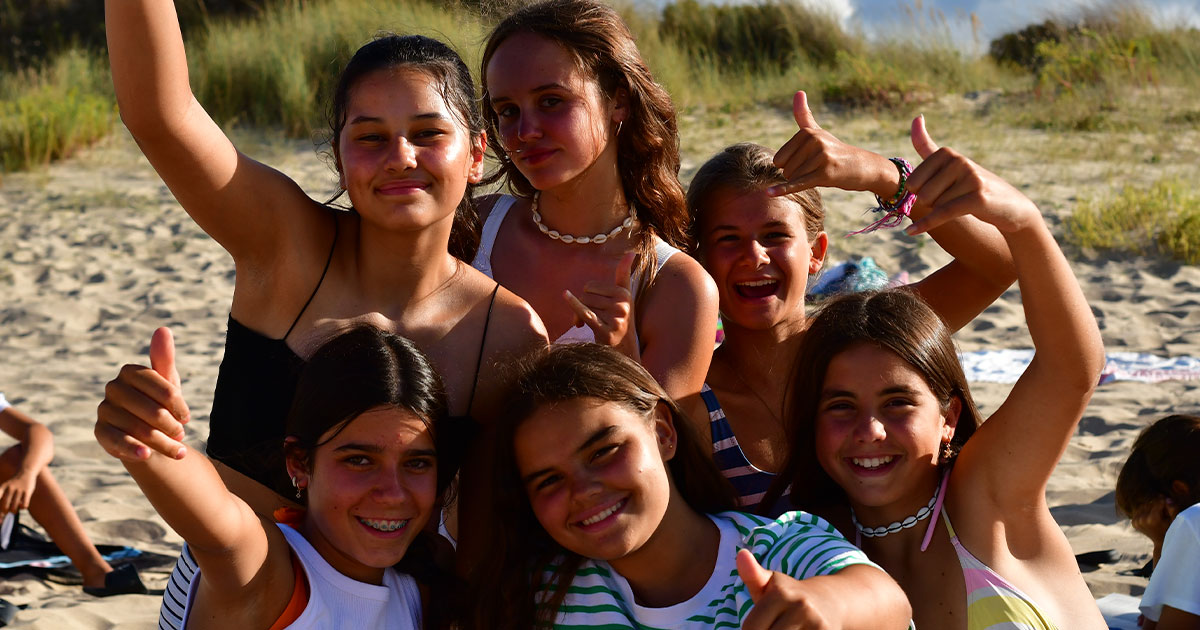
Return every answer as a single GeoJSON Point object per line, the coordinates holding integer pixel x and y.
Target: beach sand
{"type": "Point", "coordinates": [95, 253]}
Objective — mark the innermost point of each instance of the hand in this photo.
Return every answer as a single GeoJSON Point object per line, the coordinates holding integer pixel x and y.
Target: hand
{"type": "Point", "coordinates": [780, 601]}
{"type": "Point", "coordinates": [143, 408]}
{"type": "Point", "coordinates": [16, 492]}
{"type": "Point", "coordinates": [608, 308]}
{"type": "Point", "coordinates": [949, 185]}
{"type": "Point", "coordinates": [814, 157]}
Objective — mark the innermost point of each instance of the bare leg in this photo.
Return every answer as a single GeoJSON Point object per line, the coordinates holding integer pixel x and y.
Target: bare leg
{"type": "Point", "coordinates": [51, 509]}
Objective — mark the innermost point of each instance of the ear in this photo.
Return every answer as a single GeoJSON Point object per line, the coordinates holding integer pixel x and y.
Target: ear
{"type": "Point", "coordinates": [478, 151]}
{"type": "Point", "coordinates": [953, 411]}
{"type": "Point", "coordinates": [296, 470]}
{"type": "Point", "coordinates": [620, 105]}
{"type": "Point", "coordinates": [664, 431]}
{"type": "Point", "coordinates": [820, 247]}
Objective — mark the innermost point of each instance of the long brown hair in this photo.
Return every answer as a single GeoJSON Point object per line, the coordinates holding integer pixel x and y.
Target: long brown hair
{"type": "Point", "coordinates": [895, 320]}
{"type": "Point", "coordinates": [509, 591]}
{"type": "Point", "coordinates": [647, 147]}
{"type": "Point", "coordinates": [1164, 452]}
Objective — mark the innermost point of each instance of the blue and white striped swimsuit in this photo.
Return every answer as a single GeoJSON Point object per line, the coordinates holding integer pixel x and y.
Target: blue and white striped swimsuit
{"type": "Point", "coordinates": [750, 482]}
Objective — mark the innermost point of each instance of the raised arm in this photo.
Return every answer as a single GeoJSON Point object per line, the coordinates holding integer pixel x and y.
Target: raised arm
{"type": "Point", "coordinates": [240, 556]}
{"type": "Point", "coordinates": [238, 201]}
{"type": "Point", "coordinates": [982, 266]}
{"type": "Point", "coordinates": [1015, 451]}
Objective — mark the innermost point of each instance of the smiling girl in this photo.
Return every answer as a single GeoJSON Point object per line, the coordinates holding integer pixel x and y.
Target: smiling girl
{"type": "Point", "coordinates": [609, 513]}
{"type": "Point", "coordinates": [882, 419]}
{"type": "Point", "coordinates": [759, 231]}
{"type": "Point", "coordinates": [368, 454]}
{"type": "Point", "coordinates": [587, 141]}
{"type": "Point", "coordinates": [408, 144]}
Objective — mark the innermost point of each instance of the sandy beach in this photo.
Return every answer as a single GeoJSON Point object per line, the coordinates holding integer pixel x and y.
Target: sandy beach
{"type": "Point", "coordinates": [95, 253]}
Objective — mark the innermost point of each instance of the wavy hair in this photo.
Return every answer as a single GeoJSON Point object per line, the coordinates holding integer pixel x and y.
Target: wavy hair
{"type": "Point", "coordinates": [648, 147]}
{"type": "Point", "coordinates": [512, 590]}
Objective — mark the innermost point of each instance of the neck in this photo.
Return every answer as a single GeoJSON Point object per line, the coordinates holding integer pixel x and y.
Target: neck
{"type": "Point", "coordinates": [666, 570]}
{"type": "Point", "coordinates": [592, 203]}
{"type": "Point", "coordinates": [930, 505]}
{"type": "Point", "coordinates": [395, 268]}
{"type": "Point", "coordinates": [762, 357]}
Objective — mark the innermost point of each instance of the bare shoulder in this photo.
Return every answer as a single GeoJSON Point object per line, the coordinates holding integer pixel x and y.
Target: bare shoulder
{"type": "Point", "coordinates": [682, 277]}
{"type": "Point", "coordinates": [515, 327]}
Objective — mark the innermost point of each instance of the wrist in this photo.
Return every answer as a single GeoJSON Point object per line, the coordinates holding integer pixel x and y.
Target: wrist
{"type": "Point", "coordinates": [885, 177]}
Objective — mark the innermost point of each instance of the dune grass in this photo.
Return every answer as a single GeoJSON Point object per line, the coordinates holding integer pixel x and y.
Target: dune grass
{"type": "Point", "coordinates": [48, 113]}
{"type": "Point", "coordinates": [1163, 218]}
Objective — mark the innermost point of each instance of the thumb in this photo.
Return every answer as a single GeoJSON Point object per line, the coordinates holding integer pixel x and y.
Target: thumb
{"type": "Point", "coordinates": [753, 575]}
{"type": "Point", "coordinates": [803, 114]}
{"type": "Point", "coordinates": [921, 141]}
{"type": "Point", "coordinates": [162, 355]}
{"type": "Point", "coordinates": [625, 270]}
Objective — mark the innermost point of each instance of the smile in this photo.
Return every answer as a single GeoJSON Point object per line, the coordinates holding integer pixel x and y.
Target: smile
{"type": "Point", "coordinates": [871, 463]}
{"type": "Point", "coordinates": [757, 288]}
{"type": "Point", "coordinates": [616, 507]}
{"type": "Point", "coordinates": [384, 525]}
{"type": "Point", "coordinates": [404, 187]}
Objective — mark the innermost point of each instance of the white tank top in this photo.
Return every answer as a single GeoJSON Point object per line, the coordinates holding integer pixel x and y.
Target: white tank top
{"type": "Point", "coordinates": [336, 601]}
{"type": "Point", "coordinates": [487, 240]}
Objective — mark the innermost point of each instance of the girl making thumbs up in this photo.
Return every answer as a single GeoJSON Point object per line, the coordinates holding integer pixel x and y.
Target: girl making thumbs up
{"type": "Point", "coordinates": [609, 513]}
{"type": "Point", "coordinates": [758, 225]}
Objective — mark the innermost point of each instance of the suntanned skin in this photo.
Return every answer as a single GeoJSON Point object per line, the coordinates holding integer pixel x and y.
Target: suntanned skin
{"type": "Point", "coordinates": [390, 265]}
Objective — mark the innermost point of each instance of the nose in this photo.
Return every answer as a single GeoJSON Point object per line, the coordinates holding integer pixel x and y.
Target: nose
{"type": "Point", "coordinates": [583, 486]}
{"type": "Point", "coordinates": [869, 429]}
{"type": "Point", "coordinates": [403, 155]}
{"type": "Point", "coordinates": [527, 127]}
{"type": "Point", "coordinates": [756, 253]}
{"type": "Point", "coordinates": [389, 486]}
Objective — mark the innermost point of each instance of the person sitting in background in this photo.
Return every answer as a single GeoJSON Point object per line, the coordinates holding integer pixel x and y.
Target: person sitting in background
{"type": "Point", "coordinates": [26, 484]}
{"type": "Point", "coordinates": [1159, 490]}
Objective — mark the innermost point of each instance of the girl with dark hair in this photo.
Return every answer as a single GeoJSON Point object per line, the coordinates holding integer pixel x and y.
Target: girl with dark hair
{"type": "Point", "coordinates": [609, 513]}
{"type": "Point", "coordinates": [759, 229]}
{"type": "Point", "coordinates": [1159, 490]}
{"type": "Point", "coordinates": [367, 454]}
{"type": "Point", "coordinates": [882, 415]}
{"type": "Point", "coordinates": [587, 143]}
{"type": "Point", "coordinates": [409, 148]}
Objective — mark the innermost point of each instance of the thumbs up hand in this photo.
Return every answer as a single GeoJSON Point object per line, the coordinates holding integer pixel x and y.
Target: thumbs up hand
{"type": "Point", "coordinates": [814, 157]}
{"type": "Point", "coordinates": [143, 410]}
{"type": "Point", "coordinates": [781, 602]}
{"type": "Point", "coordinates": [607, 308]}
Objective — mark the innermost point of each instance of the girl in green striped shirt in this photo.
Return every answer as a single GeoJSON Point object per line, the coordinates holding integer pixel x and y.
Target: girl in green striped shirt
{"type": "Point", "coordinates": [609, 513]}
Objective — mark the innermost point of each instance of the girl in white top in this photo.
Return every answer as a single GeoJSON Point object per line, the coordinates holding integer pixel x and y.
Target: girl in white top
{"type": "Point", "coordinates": [367, 454]}
{"type": "Point", "coordinates": [588, 143]}
{"type": "Point", "coordinates": [609, 513]}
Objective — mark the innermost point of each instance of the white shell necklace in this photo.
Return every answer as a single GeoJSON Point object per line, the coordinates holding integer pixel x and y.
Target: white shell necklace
{"type": "Point", "coordinates": [880, 532]}
{"type": "Point", "coordinates": [629, 222]}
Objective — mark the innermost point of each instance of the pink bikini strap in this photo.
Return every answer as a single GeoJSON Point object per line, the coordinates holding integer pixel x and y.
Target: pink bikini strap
{"type": "Point", "coordinates": [937, 509]}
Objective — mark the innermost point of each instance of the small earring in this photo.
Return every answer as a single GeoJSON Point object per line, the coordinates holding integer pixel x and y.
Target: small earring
{"type": "Point", "coordinates": [619, 123]}
{"type": "Point", "coordinates": [947, 452]}
{"type": "Point", "coordinates": [296, 485]}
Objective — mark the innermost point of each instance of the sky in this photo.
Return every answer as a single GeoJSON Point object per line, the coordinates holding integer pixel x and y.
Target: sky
{"type": "Point", "coordinates": [996, 17]}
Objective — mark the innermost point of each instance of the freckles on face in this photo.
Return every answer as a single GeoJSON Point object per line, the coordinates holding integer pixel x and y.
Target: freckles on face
{"type": "Point", "coordinates": [594, 476]}
{"type": "Point", "coordinates": [758, 253]}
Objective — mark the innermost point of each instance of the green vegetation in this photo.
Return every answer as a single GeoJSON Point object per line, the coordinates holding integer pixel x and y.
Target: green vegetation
{"type": "Point", "coordinates": [47, 114]}
{"type": "Point", "coordinates": [1161, 219]}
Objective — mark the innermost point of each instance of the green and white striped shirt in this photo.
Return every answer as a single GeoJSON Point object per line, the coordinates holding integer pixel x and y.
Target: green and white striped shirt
{"type": "Point", "coordinates": [797, 544]}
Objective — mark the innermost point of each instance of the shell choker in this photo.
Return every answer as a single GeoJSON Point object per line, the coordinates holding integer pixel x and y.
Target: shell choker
{"type": "Point", "coordinates": [933, 507]}
{"type": "Point", "coordinates": [629, 222]}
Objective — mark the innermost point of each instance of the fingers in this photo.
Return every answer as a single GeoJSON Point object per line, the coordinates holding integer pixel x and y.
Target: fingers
{"type": "Point", "coordinates": [583, 314]}
{"type": "Point", "coordinates": [162, 355]}
{"type": "Point", "coordinates": [141, 409]}
{"type": "Point", "coordinates": [804, 116]}
{"type": "Point", "coordinates": [921, 141]}
{"type": "Point", "coordinates": [126, 436]}
{"type": "Point", "coordinates": [624, 271]}
{"type": "Point", "coordinates": [753, 575]}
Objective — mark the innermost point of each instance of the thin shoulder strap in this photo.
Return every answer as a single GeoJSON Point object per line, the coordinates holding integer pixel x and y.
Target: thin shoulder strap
{"type": "Point", "coordinates": [482, 343]}
{"type": "Point", "coordinates": [319, 281]}
{"type": "Point", "coordinates": [491, 227]}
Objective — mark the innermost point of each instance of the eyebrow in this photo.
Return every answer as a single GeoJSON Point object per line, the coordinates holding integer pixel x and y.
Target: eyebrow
{"type": "Point", "coordinates": [595, 437]}
{"type": "Point", "coordinates": [540, 88]}
{"type": "Point", "coordinates": [376, 449]}
{"type": "Point", "coordinates": [376, 119]}
{"type": "Point", "coordinates": [718, 228]}
{"type": "Point", "coordinates": [895, 389]}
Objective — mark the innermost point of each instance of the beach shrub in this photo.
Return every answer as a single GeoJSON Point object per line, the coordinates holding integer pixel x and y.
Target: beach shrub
{"type": "Point", "coordinates": [49, 113]}
{"type": "Point", "coordinates": [1163, 218]}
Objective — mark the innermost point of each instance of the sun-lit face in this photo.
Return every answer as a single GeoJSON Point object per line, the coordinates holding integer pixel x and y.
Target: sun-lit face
{"type": "Point", "coordinates": [879, 432]}
{"type": "Point", "coordinates": [553, 119]}
{"type": "Point", "coordinates": [404, 156]}
{"type": "Point", "coordinates": [370, 491]}
{"type": "Point", "coordinates": [757, 250]}
{"type": "Point", "coordinates": [595, 474]}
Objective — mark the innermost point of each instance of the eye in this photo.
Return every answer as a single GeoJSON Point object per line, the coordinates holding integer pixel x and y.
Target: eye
{"type": "Point", "coordinates": [777, 236]}
{"type": "Point", "coordinates": [604, 451]}
{"type": "Point", "coordinates": [547, 482]}
{"type": "Point", "coordinates": [549, 101]}
{"type": "Point", "coordinates": [505, 111]}
{"type": "Point", "coordinates": [369, 138]}
{"type": "Point", "coordinates": [357, 460]}
{"type": "Point", "coordinates": [429, 135]}
{"type": "Point", "coordinates": [900, 401]}
{"type": "Point", "coordinates": [420, 464]}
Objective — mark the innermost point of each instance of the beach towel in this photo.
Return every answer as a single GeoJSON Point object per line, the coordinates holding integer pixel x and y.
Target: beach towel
{"type": "Point", "coordinates": [1006, 366]}
{"type": "Point", "coordinates": [1120, 611]}
{"type": "Point", "coordinates": [26, 549]}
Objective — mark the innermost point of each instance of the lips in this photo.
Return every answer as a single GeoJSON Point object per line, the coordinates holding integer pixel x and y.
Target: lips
{"type": "Point", "coordinates": [603, 515]}
{"type": "Point", "coordinates": [534, 156]}
{"type": "Point", "coordinates": [873, 464]}
{"type": "Point", "coordinates": [757, 289]}
{"type": "Point", "coordinates": [402, 187]}
{"type": "Point", "coordinates": [384, 526]}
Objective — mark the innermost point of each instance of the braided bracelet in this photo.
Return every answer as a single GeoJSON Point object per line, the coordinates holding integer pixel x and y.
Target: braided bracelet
{"type": "Point", "coordinates": [896, 208]}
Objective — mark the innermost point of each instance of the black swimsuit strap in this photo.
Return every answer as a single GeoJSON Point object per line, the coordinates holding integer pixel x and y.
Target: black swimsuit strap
{"type": "Point", "coordinates": [319, 281]}
{"type": "Point", "coordinates": [482, 342]}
